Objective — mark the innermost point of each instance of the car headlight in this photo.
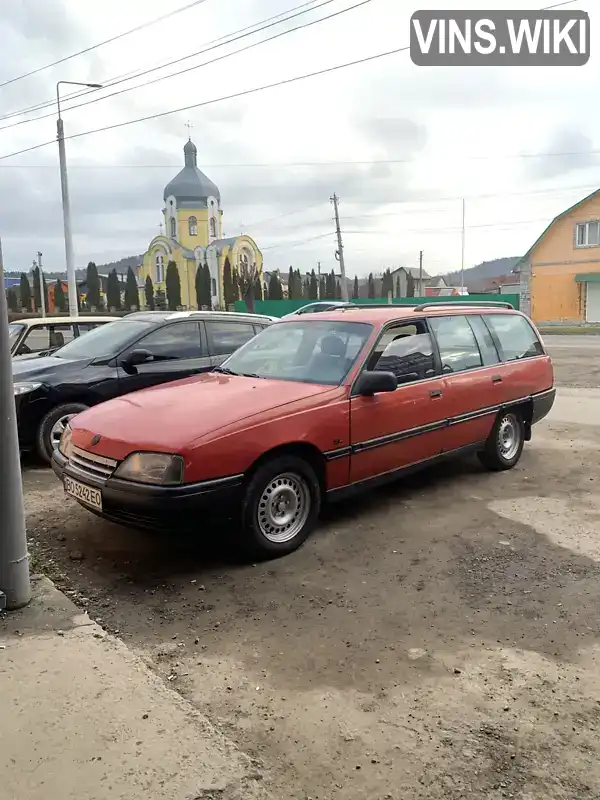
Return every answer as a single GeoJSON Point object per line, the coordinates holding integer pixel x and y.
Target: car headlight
{"type": "Point", "coordinates": [163, 469]}
{"type": "Point", "coordinates": [25, 388]}
{"type": "Point", "coordinates": [65, 446]}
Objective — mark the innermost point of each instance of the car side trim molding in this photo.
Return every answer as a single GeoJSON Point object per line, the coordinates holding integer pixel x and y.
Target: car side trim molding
{"type": "Point", "coordinates": [349, 489]}
{"type": "Point", "coordinates": [393, 438]}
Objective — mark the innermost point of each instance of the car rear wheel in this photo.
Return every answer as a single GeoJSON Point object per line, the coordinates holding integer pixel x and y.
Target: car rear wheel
{"type": "Point", "coordinates": [505, 443]}
{"type": "Point", "coordinates": [52, 426]}
{"type": "Point", "coordinates": [280, 508]}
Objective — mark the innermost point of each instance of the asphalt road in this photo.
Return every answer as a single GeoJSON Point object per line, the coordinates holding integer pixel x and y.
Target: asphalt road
{"type": "Point", "coordinates": [436, 639]}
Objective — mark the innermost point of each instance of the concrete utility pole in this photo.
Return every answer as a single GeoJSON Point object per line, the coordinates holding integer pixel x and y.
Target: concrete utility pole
{"type": "Point", "coordinates": [319, 280]}
{"type": "Point", "coordinates": [340, 251]}
{"type": "Point", "coordinates": [421, 273]}
{"type": "Point", "coordinates": [14, 560]}
{"type": "Point", "coordinates": [42, 292]}
{"type": "Point", "coordinates": [64, 185]}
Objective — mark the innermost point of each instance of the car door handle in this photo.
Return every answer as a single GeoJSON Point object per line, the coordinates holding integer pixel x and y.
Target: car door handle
{"type": "Point", "coordinates": [496, 379]}
{"type": "Point", "coordinates": [435, 393]}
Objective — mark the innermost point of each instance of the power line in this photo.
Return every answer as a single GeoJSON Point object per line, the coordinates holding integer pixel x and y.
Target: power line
{"type": "Point", "coordinates": [139, 72]}
{"type": "Point", "coordinates": [200, 52]}
{"type": "Point", "coordinates": [245, 93]}
{"type": "Point", "coordinates": [106, 41]}
{"type": "Point", "coordinates": [233, 96]}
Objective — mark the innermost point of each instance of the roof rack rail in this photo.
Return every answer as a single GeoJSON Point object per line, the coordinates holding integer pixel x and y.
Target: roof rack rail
{"type": "Point", "coordinates": [468, 303]}
{"type": "Point", "coordinates": [375, 305]}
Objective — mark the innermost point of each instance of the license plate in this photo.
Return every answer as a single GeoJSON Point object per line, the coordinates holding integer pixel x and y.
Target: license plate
{"type": "Point", "coordinates": [85, 494]}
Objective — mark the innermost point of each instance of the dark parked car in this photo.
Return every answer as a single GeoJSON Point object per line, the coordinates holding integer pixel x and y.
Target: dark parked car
{"type": "Point", "coordinates": [140, 350]}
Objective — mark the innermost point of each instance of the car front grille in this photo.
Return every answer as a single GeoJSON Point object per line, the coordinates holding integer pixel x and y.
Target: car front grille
{"type": "Point", "coordinates": [91, 464]}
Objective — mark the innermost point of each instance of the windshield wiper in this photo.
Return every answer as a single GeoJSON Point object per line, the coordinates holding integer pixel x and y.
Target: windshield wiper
{"type": "Point", "coordinates": [224, 371]}
{"type": "Point", "coordinates": [249, 375]}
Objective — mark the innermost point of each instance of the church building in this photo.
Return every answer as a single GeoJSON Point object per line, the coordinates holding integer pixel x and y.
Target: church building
{"type": "Point", "coordinates": [193, 236]}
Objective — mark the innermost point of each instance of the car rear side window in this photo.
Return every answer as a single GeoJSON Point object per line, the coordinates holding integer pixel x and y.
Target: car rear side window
{"type": "Point", "coordinates": [457, 344]}
{"type": "Point", "coordinates": [181, 340]}
{"type": "Point", "coordinates": [406, 350]}
{"type": "Point", "coordinates": [224, 338]}
{"type": "Point", "coordinates": [516, 337]}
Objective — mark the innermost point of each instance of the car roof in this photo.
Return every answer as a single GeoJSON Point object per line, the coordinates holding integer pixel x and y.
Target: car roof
{"type": "Point", "coordinates": [31, 321]}
{"type": "Point", "coordinates": [380, 315]}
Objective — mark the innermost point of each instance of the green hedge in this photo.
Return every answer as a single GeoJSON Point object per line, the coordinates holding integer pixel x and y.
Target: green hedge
{"type": "Point", "coordinates": [278, 308]}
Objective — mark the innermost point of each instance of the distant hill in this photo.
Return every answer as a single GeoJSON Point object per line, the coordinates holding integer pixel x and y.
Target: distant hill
{"type": "Point", "coordinates": [481, 274]}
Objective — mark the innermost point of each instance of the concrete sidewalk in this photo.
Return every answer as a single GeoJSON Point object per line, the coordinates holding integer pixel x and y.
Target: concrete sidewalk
{"type": "Point", "coordinates": [82, 717]}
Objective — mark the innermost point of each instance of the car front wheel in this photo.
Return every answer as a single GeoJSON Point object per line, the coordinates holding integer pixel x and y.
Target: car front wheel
{"type": "Point", "coordinates": [505, 443]}
{"type": "Point", "coordinates": [281, 506]}
{"type": "Point", "coordinates": [52, 426]}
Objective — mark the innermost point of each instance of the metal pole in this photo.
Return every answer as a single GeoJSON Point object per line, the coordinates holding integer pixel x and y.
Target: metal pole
{"type": "Point", "coordinates": [340, 250]}
{"type": "Point", "coordinates": [42, 292]}
{"type": "Point", "coordinates": [64, 185]}
{"type": "Point", "coordinates": [462, 261]}
{"type": "Point", "coordinates": [14, 560]}
{"type": "Point", "coordinates": [420, 273]}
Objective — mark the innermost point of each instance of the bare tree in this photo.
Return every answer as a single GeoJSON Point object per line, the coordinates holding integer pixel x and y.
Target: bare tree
{"type": "Point", "coordinates": [248, 276]}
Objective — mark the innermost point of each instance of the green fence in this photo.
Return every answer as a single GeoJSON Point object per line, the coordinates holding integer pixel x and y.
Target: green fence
{"type": "Point", "coordinates": [278, 308]}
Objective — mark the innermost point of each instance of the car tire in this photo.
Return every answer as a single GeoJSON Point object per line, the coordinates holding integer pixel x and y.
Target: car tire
{"type": "Point", "coordinates": [280, 507]}
{"type": "Point", "coordinates": [505, 443]}
{"type": "Point", "coordinates": [50, 427]}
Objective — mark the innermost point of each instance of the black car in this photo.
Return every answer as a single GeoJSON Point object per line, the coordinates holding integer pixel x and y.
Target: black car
{"type": "Point", "coordinates": [142, 349]}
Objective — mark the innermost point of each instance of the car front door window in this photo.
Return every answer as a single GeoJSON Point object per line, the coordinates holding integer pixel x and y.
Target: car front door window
{"type": "Point", "coordinates": [174, 342]}
{"type": "Point", "coordinates": [407, 351]}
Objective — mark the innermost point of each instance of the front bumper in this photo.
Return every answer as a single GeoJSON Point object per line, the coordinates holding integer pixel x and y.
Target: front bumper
{"type": "Point", "coordinates": [155, 507]}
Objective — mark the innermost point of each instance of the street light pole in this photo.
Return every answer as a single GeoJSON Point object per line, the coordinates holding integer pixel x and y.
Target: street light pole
{"type": "Point", "coordinates": [64, 185]}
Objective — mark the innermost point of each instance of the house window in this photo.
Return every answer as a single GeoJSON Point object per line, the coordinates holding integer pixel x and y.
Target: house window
{"type": "Point", "coordinates": [173, 228]}
{"type": "Point", "coordinates": [588, 234]}
{"type": "Point", "coordinates": [193, 226]}
{"type": "Point", "coordinates": [213, 226]}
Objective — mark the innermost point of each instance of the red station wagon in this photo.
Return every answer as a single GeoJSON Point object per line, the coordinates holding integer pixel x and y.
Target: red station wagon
{"type": "Point", "coordinates": [313, 408]}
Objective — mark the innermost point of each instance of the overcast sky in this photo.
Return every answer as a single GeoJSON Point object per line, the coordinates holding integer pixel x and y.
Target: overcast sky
{"type": "Point", "coordinates": [426, 136]}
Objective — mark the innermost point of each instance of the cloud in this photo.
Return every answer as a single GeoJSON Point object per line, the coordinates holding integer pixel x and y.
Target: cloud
{"type": "Point", "coordinates": [574, 146]}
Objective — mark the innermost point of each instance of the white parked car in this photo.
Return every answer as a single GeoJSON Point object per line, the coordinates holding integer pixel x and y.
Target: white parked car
{"type": "Point", "coordinates": [315, 308]}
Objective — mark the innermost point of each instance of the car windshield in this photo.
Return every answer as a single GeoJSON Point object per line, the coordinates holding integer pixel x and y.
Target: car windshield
{"type": "Point", "coordinates": [105, 340]}
{"type": "Point", "coordinates": [311, 352]}
{"type": "Point", "coordinates": [14, 331]}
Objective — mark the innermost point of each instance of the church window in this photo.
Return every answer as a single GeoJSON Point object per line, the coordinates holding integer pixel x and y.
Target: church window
{"type": "Point", "coordinates": [213, 285]}
{"type": "Point", "coordinates": [160, 269]}
{"type": "Point", "coordinates": [173, 228]}
{"type": "Point", "coordinates": [213, 226]}
{"type": "Point", "coordinates": [193, 226]}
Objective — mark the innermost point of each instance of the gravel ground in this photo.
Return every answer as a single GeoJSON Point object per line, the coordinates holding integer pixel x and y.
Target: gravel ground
{"type": "Point", "coordinates": [435, 639]}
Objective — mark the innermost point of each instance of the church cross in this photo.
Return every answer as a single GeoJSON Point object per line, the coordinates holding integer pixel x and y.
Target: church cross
{"type": "Point", "coordinates": [190, 127]}
{"type": "Point", "coordinates": [160, 228]}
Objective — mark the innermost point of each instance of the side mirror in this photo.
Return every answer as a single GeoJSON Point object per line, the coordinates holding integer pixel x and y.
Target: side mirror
{"type": "Point", "coordinates": [134, 358]}
{"type": "Point", "coordinates": [373, 382]}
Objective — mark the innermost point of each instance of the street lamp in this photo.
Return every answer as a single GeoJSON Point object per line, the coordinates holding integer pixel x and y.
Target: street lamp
{"type": "Point", "coordinates": [60, 135]}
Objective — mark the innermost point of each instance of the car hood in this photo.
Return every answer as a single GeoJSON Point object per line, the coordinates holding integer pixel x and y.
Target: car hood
{"type": "Point", "coordinates": [171, 417]}
{"type": "Point", "coordinates": [44, 367]}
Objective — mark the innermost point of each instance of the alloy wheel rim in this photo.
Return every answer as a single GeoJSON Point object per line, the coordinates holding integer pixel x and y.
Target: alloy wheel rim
{"type": "Point", "coordinates": [58, 428]}
{"type": "Point", "coordinates": [508, 437]}
{"type": "Point", "coordinates": [283, 507]}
